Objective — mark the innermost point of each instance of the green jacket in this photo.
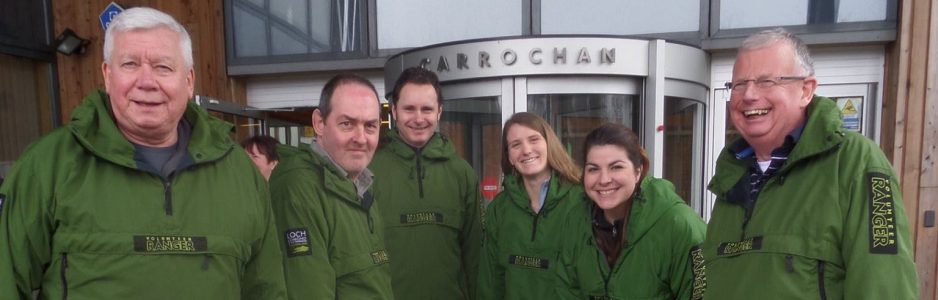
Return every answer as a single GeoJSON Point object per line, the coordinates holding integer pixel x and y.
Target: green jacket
{"type": "Point", "coordinates": [82, 220]}
{"type": "Point", "coordinates": [332, 238]}
{"type": "Point", "coordinates": [828, 225]}
{"type": "Point", "coordinates": [430, 206]}
{"type": "Point", "coordinates": [655, 262]}
{"type": "Point", "coordinates": [521, 249]}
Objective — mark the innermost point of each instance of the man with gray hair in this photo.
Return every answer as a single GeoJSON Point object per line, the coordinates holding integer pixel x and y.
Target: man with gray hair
{"type": "Point", "coordinates": [805, 209]}
{"type": "Point", "coordinates": [142, 195]}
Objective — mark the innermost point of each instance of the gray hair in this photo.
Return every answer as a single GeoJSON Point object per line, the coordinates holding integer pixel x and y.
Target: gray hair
{"type": "Point", "coordinates": [770, 36]}
{"type": "Point", "coordinates": [146, 18]}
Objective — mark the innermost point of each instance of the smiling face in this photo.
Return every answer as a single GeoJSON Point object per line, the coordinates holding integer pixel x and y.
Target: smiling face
{"type": "Point", "coordinates": [764, 116]}
{"type": "Point", "coordinates": [527, 151]}
{"type": "Point", "coordinates": [417, 113]}
{"type": "Point", "coordinates": [610, 178]}
{"type": "Point", "coordinates": [148, 84]}
{"type": "Point", "coordinates": [350, 132]}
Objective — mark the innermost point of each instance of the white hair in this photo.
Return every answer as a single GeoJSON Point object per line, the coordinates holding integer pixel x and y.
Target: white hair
{"type": "Point", "coordinates": [770, 36]}
{"type": "Point", "coordinates": [146, 18]}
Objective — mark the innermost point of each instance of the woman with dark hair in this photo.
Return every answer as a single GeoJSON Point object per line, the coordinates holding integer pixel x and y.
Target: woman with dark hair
{"type": "Point", "coordinates": [541, 187]}
{"type": "Point", "coordinates": [636, 239]}
{"type": "Point", "coordinates": [263, 152]}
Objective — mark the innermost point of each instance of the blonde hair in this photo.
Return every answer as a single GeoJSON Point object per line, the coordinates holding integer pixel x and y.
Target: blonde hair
{"type": "Point", "coordinates": [557, 158]}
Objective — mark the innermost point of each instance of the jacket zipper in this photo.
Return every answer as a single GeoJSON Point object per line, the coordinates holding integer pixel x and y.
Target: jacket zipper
{"type": "Point", "coordinates": [167, 197]}
{"type": "Point", "coordinates": [62, 269]}
{"type": "Point", "coordinates": [820, 280]}
{"type": "Point", "coordinates": [205, 262]}
{"type": "Point", "coordinates": [371, 223]}
{"type": "Point", "coordinates": [419, 175]}
{"type": "Point", "coordinates": [534, 228]}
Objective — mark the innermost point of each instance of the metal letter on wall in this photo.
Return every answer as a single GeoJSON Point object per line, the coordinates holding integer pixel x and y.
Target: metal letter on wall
{"type": "Point", "coordinates": [535, 60]}
{"type": "Point", "coordinates": [509, 57]}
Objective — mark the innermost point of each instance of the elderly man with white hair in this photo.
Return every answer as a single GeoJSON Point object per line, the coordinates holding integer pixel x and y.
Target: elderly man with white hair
{"type": "Point", "coordinates": [143, 194]}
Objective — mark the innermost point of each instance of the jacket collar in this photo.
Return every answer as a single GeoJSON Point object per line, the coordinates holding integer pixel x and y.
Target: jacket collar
{"type": "Point", "coordinates": [439, 147]}
{"type": "Point", "coordinates": [94, 127]}
{"type": "Point", "coordinates": [557, 191]}
{"type": "Point", "coordinates": [822, 133]}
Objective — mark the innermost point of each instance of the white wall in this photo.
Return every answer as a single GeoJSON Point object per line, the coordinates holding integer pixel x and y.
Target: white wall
{"type": "Point", "coordinates": [297, 90]}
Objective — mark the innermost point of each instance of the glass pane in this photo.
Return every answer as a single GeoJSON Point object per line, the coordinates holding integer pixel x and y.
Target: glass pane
{"type": "Point", "coordinates": [573, 116]}
{"type": "Point", "coordinates": [416, 23]}
{"type": "Point", "coordinates": [762, 13]}
{"type": "Point", "coordinates": [320, 14]}
{"type": "Point", "coordinates": [679, 144]}
{"type": "Point", "coordinates": [285, 43]}
{"type": "Point", "coordinates": [292, 12]}
{"type": "Point", "coordinates": [250, 35]}
{"type": "Point", "coordinates": [475, 127]}
{"type": "Point", "coordinates": [619, 17]}
{"type": "Point", "coordinates": [861, 10]}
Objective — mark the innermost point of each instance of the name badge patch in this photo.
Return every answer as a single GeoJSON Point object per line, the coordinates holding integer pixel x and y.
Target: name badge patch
{"type": "Point", "coordinates": [527, 261]}
{"type": "Point", "coordinates": [425, 217]}
{"type": "Point", "coordinates": [882, 215]}
{"type": "Point", "coordinates": [297, 241]}
{"type": "Point", "coordinates": [729, 248]}
{"type": "Point", "coordinates": [380, 257]}
{"type": "Point", "coordinates": [164, 243]}
{"type": "Point", "coordinates": [699, 270]}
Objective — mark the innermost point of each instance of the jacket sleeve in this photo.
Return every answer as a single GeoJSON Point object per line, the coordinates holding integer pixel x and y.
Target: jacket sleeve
{"type": "Point", "coordinates": [303, 234]}
{"type": "Point", "coordinates": [25, 229]}
{"type": "Point", "coordinates": [491, 284]}
{"type": "Point", "coordinates": [687, 258]}
{"type": "Point", "coordinates": [471, 235]}
{"type": "Point", "coordinates": [263, 278]}
{"type": "Point", "coordinates": [876, 245]}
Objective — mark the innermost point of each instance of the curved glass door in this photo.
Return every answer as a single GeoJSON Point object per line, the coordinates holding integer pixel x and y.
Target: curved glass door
{"type": "Point", "coordinates": [472, 119]}
{"type": "Point", "coordinates": [575, 106]}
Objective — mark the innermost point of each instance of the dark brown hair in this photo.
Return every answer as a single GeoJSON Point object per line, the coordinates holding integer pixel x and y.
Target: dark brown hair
{"type": "Point", "coordinates": [620, 136]}
{"type": "Point", "coordinates": [416, 75]}
{"type": "Point", "coordinates": [265, 145]}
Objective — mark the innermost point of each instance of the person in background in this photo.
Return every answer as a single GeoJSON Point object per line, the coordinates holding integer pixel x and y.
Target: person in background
{"type": "Point", "coordinates": [804, 209]}
{"type": "Point", "coordinates": [429, 197]}
{"type": "Point", "coordinates": [330, 224]}
{"type": "Point", "coordinates": [142, 195]}
{"type": "Point", "coordinates": [523, 224]}
{"type": "Point", "coordinates": [263, 152]}
{"type": "Point", "coordinates": [637, 239]}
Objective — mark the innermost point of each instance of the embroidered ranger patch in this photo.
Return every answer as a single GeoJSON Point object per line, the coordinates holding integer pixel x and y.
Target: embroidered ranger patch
{"type": "Point", "coordinates": [163, 243]}
{"type": "Point", "coordinates": [424, 217]}
{"type": "Point", "coordinates": [380, 257]}
{"type": "Point", "coordinates": [699, 270]}
{"type": "Point", "coordinates": [527, 261]}
{"type": "Point", "coordinates": [882, 215]}
{"type": "Point", "coordinates": [297, 241]}
{"type": "Point", "coordinates": [729, 248]}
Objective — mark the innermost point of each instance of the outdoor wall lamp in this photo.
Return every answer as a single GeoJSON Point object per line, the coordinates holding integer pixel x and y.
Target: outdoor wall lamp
{"type": "Point", "coordinates": [68, 43]}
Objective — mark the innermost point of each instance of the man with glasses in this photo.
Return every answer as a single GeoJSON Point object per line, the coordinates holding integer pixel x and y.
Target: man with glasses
{"type": "Point", "coordinates": [804, 208]}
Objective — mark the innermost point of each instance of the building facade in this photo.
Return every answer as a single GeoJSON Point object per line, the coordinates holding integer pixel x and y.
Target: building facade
{"type": "Point", "coordinates": [657, 67]}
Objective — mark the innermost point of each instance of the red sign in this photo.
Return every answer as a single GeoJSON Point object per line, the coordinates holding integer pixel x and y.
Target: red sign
{"type": "Point", "coordinates": [489, 187]}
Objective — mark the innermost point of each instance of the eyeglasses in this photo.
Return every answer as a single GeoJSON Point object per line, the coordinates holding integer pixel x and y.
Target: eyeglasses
{"type": "Point", "coordinates": [762, 83]}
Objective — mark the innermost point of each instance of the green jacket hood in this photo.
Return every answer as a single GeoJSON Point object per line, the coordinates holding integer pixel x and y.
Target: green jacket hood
{"type": "Point", "coordinates": [654, 199]}
{"type": "Point", "coordinates": [557, 191]}
{"type": "Point", "coordinates": [822, 132]}
{"type": "Point", "coordinates": [94, 127]}
{"type": "Point", "coordinates": [439, 147]}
